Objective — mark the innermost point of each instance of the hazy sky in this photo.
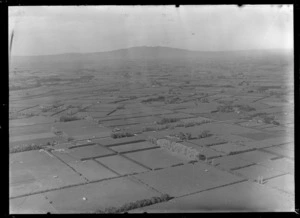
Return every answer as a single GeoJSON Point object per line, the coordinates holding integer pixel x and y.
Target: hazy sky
{"type": "Point", "coordinates": [51, 30]}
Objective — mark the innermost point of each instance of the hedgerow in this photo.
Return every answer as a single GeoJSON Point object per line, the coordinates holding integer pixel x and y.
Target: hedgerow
{"type": "Point", "coordinates": [137, 204]}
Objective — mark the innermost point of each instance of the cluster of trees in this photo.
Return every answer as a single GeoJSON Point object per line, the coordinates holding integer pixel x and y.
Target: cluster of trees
{"type": "Point", "coordinates": [67, 118]}
{"type": "Point", "coordinates": [173, 100]}
{"type": "Point", "coordinates": [227, 108]}
{"type": "Point", "coordinates": [245, 108]}
{"type": "Point", "coordinates": [204, 134]}
{"type": "Point", "coordinates": [122, 134]}
{"type": "Point", "coordinates": [203, 100]}
{"type": "Point", "coordinates": [264, 117]}
{"type": "Point", "coordinates": [52, 107]}
{"type": "Point", "coordinates": [149, 100]}
{"type": "Point", "coordinates": [184, 136]}
{"type": "Point", "coordinates": [172, 125]}
{"type": "Point", "coordinates": [167, 120]}
{"type": "Point", "coordinates": [188, 136]}
{"type": "Point", "coordinates": [191, 153]}
{"type": "Point", "coordinates": [22, 148]}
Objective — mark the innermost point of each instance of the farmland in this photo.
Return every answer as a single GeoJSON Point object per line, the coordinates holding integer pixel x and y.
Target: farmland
{"type": "Point", "coordinates": [153, 128]}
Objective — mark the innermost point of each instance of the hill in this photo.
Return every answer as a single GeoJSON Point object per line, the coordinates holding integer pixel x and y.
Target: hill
{"type": "Point", "coordinates": [152, 53]}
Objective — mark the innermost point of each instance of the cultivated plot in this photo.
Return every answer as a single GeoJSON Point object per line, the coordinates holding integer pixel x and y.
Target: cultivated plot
{"type": "Point", "coordinates": [193, 178]}
{"type": "Point", "coordinates": [89, 152]}
{"type": "Point", "coordinates": [121, 165]}
{"type": "Point", "coordinates": [98, 196]}
{"type": "Point", "coordinates": [35, 171]}
{"type": "Point", "coordinates": [155, 158]}
{"type": "Point", "coordinates": [247, 197]}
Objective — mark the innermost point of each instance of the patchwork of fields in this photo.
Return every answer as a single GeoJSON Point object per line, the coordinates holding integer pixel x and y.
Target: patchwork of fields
{"type": "Point", "coordinates": [209, 141]}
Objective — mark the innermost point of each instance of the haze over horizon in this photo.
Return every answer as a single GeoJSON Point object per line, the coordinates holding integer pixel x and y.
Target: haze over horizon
{"type": "Point", "coordinates": [154, 47]}
{"type": "Point", "coordinates": [48, 30]}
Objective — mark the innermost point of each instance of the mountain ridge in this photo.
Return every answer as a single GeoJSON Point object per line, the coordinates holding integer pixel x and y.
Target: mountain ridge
{"type": "Point", "coordinates": [148, 48]}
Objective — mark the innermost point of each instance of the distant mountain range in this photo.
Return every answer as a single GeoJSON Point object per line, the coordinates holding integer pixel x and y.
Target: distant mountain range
{"type": "Point", "coordinates": [150, 51]}
{"type": "Point", "coordinates": [145, 52]}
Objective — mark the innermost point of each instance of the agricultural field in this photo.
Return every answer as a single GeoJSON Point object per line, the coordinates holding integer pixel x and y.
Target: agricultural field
{"type": "Point", "coordinates": [211, 132]}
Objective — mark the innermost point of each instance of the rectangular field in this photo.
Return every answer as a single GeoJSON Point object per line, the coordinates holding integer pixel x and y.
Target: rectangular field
{"type": "Point", "coordinates": [255, 171]}
{"type": "Point", "coordinates": [121, 165]}
{"type": "Point", "coordinates": [155, 158]}
{"type": "Point", "coordinates": [89, 152]}
{"type": "Point", "coordinates": [231, 162]}
{"type": "Point", "coordinates": [193, 178]}
{"type": "Point", "coordinates": [240, 197]}
{"type": "Point", "coordinates": [132, 147]}
{"type": "Point", "coordinates": [34, 171]}
{"type": "Point", "coordinates": [82, 129]}
{"type": "Point", "coordinates": [256, 156]}
{"type": "Point", "coordinates": [34, 204]}
{"type": "Point", "coordinates": [285, 183]}
{"type": "Point", "coordinates": [230, 148]}
{"type": "Point", "coordinates": [97, 196]}
{"type": "Point", "coordinates": [92, 170]}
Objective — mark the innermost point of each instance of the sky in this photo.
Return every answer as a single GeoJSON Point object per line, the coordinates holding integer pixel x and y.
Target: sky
{"type": "Point", "coordinates": [42, 30]}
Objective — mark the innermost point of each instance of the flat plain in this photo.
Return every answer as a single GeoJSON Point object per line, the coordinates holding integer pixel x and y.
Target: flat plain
{"type": "Point", "coordinates": [84, 137]}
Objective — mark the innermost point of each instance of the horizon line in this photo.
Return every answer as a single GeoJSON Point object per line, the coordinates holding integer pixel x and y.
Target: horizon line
{"type": "Point", "coordinates": [211, 51]}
